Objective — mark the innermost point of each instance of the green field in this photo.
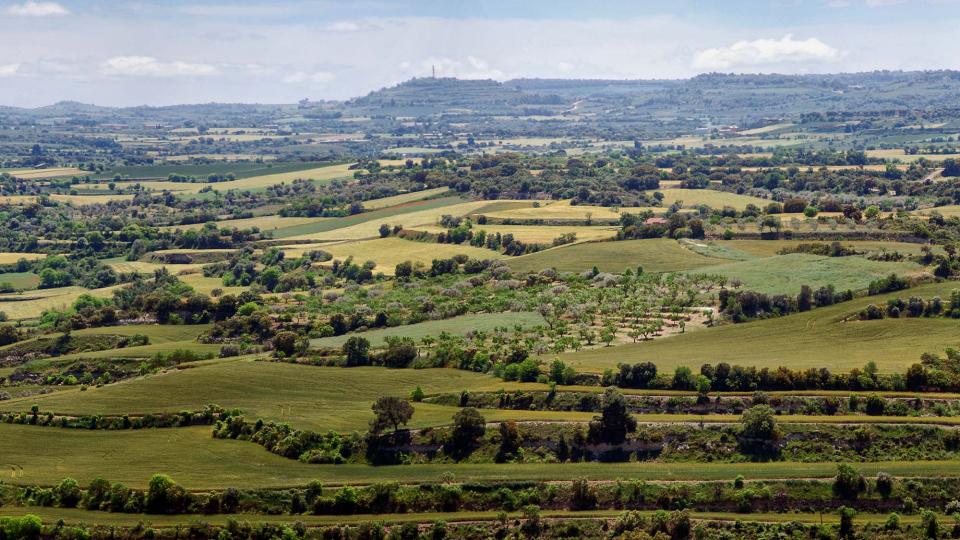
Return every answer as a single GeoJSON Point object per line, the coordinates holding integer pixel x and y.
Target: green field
{"type": "Point", "coordinates": [197, 460]}
{"type": "Point", "coordinates": [785, 274]}
{"type": "Point", "coordinates": [240, 170]}
{"type": "Point", "coordinates": [654, 255]}
{"type": "Point", "coordinates": [816, 338]}
{"type": "Point", "coordinates": [457, 325]}
{"type": "Point", "coordinates": [747, 249]}
{"type": "Point", "coordinates": [304, 396]}
{"type": "Point", "coordinates": [21, 280]}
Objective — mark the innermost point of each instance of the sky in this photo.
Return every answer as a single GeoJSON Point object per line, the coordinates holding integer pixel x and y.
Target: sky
{"type": "Point", "coordinates": [146, 52]}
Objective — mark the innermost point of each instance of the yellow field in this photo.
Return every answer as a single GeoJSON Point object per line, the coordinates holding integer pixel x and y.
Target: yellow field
{"type": "Point", "coordinates": [7, 257]}
{"type": "Point", "coordinates": [33, 174]}
{"type": "Point", "coordinates": [371, 229]}
{"type": "Point", "coordinates": [765, 129]}
{"type": "Point", "coordinates": [80, 200]}
{"type": "Point", "coordinates": [33, 303]}
{"type": "Point", "coordinates": [555, 210]}
{"type": "Point", "coordinates": [709, 197]}
{"type": "Point", "coordinates": [388, 252]}
{"type": "Point", "coordinates": [898, 153]}
{"type": "Point", "coordinates": [946, 211]}
{"type": "Point", "coordinates": [539, 234]}
{"type": "Point", "coordinates": [266, 223]}
{"type": "Point", "coordinates": [204, 285]}
{"type": "Point", "coordinates": [385, 202]}
{"type": "Point", "coordinates": [144, 267]}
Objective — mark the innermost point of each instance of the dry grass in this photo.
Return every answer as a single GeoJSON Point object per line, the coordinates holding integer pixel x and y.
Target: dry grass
{"type": "Point", "coordinates": [385, 202]}
{"type": "Point", "coordinates": [36, 174]}
{"type": "Point", "coordinates": [371, 229]}
{"type": "Point", "coordinates": [144, 267]}
{"type": "Point", "coordinates": [388, 252]}
{"type": "Point", "coordinates": [898, 153]}
{"type": "Point", "coordinates": [265, 223]}
{"type": "Point", "coordinates": [32, 304]}
{"type": "Point", "coordinates": [7, 257]}
{"type": "Point", "coordinates": [709, 197]}
{"type": "Point", "coordinates": [539, 234]}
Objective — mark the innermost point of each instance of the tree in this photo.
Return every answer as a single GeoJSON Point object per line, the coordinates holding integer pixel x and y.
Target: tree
{"type": "Point", "coordinates": [384, 230]}
{"type": "Point", "coordinates": [468, 426]}
{"type": "Point", "coordinates": [390, 411]}
{"type": "Point", "coordinates": [285, 342]}
{"type": "Point", "coordinates": [849, 483]}
{"type": "Point", "coordinates": [509, 442]}
{"type": "Point", "coordinates": [68, 493]}
{"type": "Point", "coordinates": [615, 420]}
{"type": "Point", "coordinates": [399, 353]}
{"type": "Point", "coordinates": [357, 351]}
{"type": "Point", "coordinates": [846, 522]}
{"type": "Point", "coordinates": [759, 422]}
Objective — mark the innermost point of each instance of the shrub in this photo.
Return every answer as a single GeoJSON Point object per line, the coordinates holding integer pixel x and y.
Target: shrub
{"type": "Point", "coordinates": [849, 483]}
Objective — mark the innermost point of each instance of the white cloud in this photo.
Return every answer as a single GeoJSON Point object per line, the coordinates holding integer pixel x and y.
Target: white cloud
{"type": "Point", "coordinates": [147, 66]}
{"type": "Point", "coordinates": [30, 8]}
{"type": "Point", "coordinates": [343, 26]}
{"type": "Point", "coordinates": [765, 52]}
{"type": "Point", "coordinates": [882, 3]}
{"type": "Point", "coordinates": [9, 70]}
{"type": "Point", "coordinates": [565, 67]}
{"type": "Point", "coordinates": [319, 77]}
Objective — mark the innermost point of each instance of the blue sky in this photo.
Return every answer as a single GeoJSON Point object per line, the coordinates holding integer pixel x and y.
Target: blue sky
{"type": "Point", "coordinates": [193, 51]}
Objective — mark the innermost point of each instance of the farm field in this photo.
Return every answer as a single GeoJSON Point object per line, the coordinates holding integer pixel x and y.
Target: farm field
{"type": "Point", "coordinates": [11, 258]}
{"type": "Point", "coordinates": [785, 274]}
{"type": "Point", "coordinates": [386, 202]}
{"type": "Point", "coordinates": [563, 210]}
{"type": "Point", "coordinates": [38, 174]}
{"type": "Point", "coordinates": [33, 303]}
{"type": "Point", "coordinates": [370, 228]}
{"type": "Point", "coordinates": [817, 338]}
{"type": "Point", "coordinates": [305, 396]}
{"type": "Point", "coordinates": [264, 223]}
{"type": "Point", "coordinates": [388, 252]}
{"type": "Point", "coordinates": [433, 207]}
{"type": "Point", "coordinates": [538, 234]}
{"type": "Point", "coordinates": [21, 280]}
{"type": "Point", "coordinates": [715, 199]}
{"type": "Point", "coordinates": [47, 455]}
{"type": "Point", "coordinates": [654, 255]}
{"type": "Point", "coordinates": [457, 325]}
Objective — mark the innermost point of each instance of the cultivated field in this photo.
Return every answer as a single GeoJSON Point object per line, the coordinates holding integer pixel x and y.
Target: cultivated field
{"type": "Point", "coordinates": [654, 255]}
{"type": "Point", "coordinates": [388, 252]}
{"type": "Point", "coordinates": [817, 338]}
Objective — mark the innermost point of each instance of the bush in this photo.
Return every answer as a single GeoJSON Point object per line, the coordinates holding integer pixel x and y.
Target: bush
{"type": "Point", "coordinates": [849, 483]}
{"type": "Point", "coordinates": [759, 422]}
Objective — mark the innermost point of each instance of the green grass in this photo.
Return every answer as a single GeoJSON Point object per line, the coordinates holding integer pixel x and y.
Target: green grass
{"type": "Point", "coordinates": [305, 396]}
{"type": "Point", "coordinates": [785, 274]}
{"type": "Point", "coordinates": [457, 325]}
{"type": "Point", "coordinates": [339, 223]}
{"type": "Point", "coordinates": [198, 461]}
{"type": "Point", "coordinates": [21, 280]}
{"type": "Point", "coordinates": [811, 339]}
{"type": "Point", "coordinates": [240, 170]}
{"type": "Point", "coordinates": [654, 255]}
